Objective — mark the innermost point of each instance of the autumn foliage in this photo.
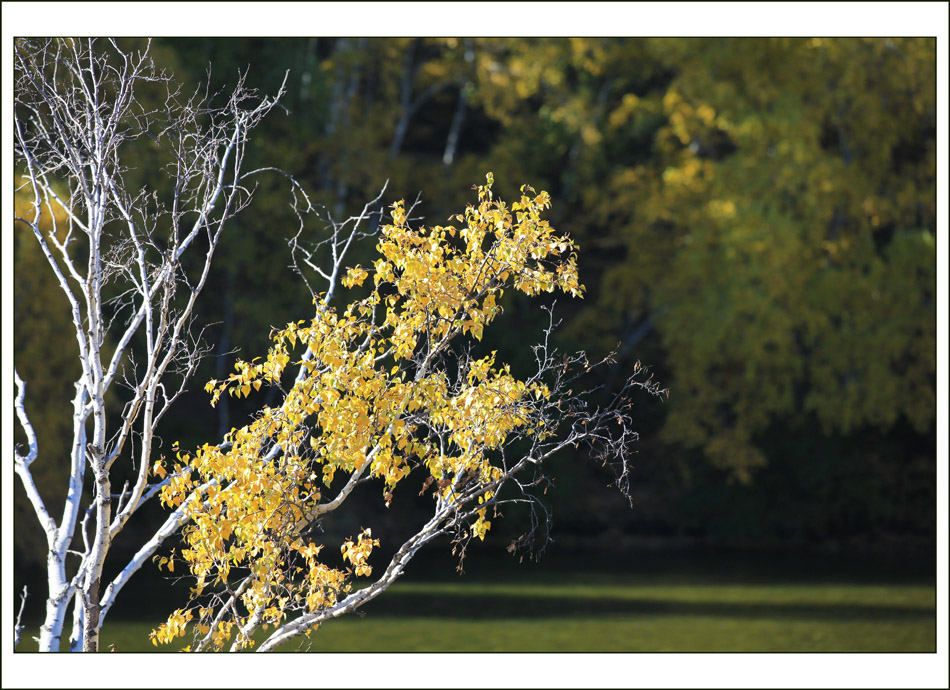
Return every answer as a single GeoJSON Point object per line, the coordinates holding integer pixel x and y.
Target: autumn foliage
{"type": "Point", "coordinates": [379, 395]}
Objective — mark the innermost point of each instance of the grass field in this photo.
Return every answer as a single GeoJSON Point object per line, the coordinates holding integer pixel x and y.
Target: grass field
{"type": "Point", "coordinates": [615, 614]}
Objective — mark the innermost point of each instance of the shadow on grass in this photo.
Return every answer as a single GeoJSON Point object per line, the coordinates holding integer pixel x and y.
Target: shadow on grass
{"type": "Point", "coordinates": [419, 605]}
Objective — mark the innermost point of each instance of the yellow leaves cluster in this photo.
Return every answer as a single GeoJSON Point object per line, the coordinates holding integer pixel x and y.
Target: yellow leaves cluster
{"type": "Point", "coordinates": [445, 285]}
{"type": "Point", "coordinates": [481, 525]}
{"type": "Point", "coordinates": [324, 585]}
{"type": "Point", "coordinates": [487, 410]}
{"type": "Point", "coordinates": [172, 628]}
{"type": "Point", "coordinates": [357, 554]}
{"type": "Point", "coordinates": [354, 276]}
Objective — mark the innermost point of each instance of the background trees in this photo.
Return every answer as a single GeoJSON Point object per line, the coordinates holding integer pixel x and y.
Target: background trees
{"type": "Point", "coordinates": [782, 238]}
{"type": "Point", "coordinates": [756, 218]}
{"type": "Point", "coordinates": [759, 212]}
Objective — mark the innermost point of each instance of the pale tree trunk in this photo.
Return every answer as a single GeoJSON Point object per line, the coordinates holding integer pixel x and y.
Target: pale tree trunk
{"type": "Point", "coordinates": [452, 140]}
{"type": "Point", "coordinates": [409, 101]}
{"type": "Point", "coordinates": [458, 119]}
{"type": "Point", "coordinates": [409, 70]}
{"type": "Point", "coordinates": [595, 118]}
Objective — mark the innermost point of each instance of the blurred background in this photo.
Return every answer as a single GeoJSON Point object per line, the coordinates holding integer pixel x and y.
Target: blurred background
{"type": "Point", "coordinates": [756, 220]}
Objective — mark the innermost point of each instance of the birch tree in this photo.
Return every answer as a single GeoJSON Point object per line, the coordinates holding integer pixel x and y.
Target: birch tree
{"type": "Point", "coordinates": [389, 387]}
{"type": "Point", "coordinates": [385, 391]}
{"type": "Point", "coordinates": [131, 263]}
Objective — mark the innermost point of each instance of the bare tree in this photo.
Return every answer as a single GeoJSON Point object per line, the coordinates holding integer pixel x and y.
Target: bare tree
{"type": "Point", "coordinates": [131, 263]}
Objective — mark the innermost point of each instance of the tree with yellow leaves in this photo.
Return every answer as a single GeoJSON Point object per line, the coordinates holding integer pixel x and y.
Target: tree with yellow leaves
{"type": "Point", "coordinates": [386, 390]}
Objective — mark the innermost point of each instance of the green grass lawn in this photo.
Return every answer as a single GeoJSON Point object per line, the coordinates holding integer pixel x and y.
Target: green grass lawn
{"type": "Point", "coordinates": [613, 614]}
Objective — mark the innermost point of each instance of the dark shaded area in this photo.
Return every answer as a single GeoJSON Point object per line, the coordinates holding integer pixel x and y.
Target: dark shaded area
{"type": "Point", "coordinates": [481, 606]}
{"type": "Point", "coordinates": [664, 564]}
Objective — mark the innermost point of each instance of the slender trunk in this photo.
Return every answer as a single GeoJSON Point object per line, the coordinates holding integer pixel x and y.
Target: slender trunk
{"type": "Point", "coordinates": [58, 539]}
{"type": "Point", "coordinates": [96, 455]}
{"type": "Point", "coordinates": [340, 49]}
{"type": "Point", "coordinates": [100, 547]}
{"type": "Point", "coordinates": [409, 70]}
{"type": "Point", "coordinates": [309, 67]}
{"type": "Point", "coordinates": [569, 178]}
{"type": "Point", "coordinates": [79, 627]}
{"type": "Point", "coordinates": [57, 602]}
{"type": "Point", "coordinates": [451, 142]}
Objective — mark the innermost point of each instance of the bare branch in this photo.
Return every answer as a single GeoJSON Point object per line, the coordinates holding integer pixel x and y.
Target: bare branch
{"type": "Point", "coordinates": [430, 531]}
{"type": "Point", "coordinates": [18, 628]}
{"type": "Point", "coordinates": [22, 462]}
{"type": "Point", "coordinates": [171, 525]}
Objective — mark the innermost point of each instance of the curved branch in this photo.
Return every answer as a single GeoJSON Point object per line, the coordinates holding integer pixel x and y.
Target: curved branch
{"type": "Point", "coordinates": [171, 525]}
{"type": "Point", "coordinates": [394, 570]}
{"type": "Point", "coordinates": [22, 462]}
